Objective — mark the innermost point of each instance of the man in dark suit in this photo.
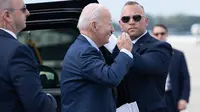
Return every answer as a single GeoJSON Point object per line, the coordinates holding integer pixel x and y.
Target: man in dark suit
{"type": "Point", "coordinates": [20, 86]}
{"type": "Point", "coordinates": [145, 81]}
{"type": "Point", "coordinates": [87, 82]}
{"type": "Point", "coordinates": [177, 90]}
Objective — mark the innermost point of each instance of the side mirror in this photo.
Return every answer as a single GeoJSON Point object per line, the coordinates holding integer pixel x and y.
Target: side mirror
{"type": "Point", "coordinates": [48, 77]}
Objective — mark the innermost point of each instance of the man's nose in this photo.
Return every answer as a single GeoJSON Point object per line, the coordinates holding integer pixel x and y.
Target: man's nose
{"type": "Point", "coordinates": [27, 13]}
{"type": "Point", "coordinates": [131, 21]}
{"type": "Point", "coordinates": [160, 36]}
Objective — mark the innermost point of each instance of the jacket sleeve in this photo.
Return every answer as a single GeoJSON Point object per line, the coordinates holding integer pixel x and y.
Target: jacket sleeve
{"type": "Point", "coordinates": [154, 60]}
{"type": "Point", "coordinates": [185, 79]}
{"type": "Point", "coordinates": [95, 68]}
{"type": "Point", "coordinates": [24, 73]}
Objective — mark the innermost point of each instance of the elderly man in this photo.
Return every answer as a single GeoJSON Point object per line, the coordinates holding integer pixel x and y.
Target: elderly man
{"type": "Point", "coordinates": [20, 86]}
{"type": "Point", "coordinates": [145, 81]}
{"type": "Point", "coordinates": [177, 88]}
{"type": "Point", "coordinates": [87, 82]}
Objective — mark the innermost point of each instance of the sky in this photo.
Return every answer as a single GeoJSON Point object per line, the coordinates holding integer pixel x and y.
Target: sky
{"type": "Point", "coordinates": [154, 7]}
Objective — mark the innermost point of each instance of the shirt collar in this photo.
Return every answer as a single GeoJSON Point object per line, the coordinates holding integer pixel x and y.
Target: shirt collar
{"type": "Point", "coordinates": [11, 33]}
{"type": "Point", "coordinates": [135, 40]}
{"type": "Point", "coordinates": [91, 42]}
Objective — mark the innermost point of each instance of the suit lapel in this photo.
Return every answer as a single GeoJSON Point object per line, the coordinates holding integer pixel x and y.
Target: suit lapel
{"type": "Point", "coordinates": [102, 57]}
{"type": "Point", "coordinates": [136, 47]}
{"type": "Point", "coordinates": [141, 43]}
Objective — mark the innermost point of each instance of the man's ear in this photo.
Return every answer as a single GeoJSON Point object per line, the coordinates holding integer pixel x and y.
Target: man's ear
{"type": "Point", "coordinates": [7, 16]}
{"type": "Point", "coordinates": [147, 21]}
{"type": "Point", "coordinates": [93, 26]}
{"type": "Point", "coordinates": [166, 33]}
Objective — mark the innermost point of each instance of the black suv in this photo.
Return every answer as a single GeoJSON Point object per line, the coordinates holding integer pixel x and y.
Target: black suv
{"type": "Point", "coordinates": [51, 29]}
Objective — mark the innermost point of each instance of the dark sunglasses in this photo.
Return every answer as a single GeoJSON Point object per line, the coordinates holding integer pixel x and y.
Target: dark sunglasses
{"type": "Point", "coordinates": [162, 33]}
{"type": "Point", "coordinates": [136, 18]}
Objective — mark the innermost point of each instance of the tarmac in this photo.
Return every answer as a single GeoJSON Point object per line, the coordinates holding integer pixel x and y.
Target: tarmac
{"type": "Point", "coordinates": [191, 48]}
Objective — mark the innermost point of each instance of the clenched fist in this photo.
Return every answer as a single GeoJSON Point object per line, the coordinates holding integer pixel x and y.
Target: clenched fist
{"type": "Point", "coordinates": [124, 41]}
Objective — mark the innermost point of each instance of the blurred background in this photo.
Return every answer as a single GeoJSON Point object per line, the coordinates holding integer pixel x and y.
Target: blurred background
{"type": "Point", "coordinates": [182, 19]}
{"type": "Point", "coordinates": [177, 15]}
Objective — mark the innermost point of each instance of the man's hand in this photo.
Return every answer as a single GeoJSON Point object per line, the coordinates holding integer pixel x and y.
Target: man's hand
{"type": "Point", "coordinates": [125, 42]}
{"type": "Point", "coordinates": [182, 104]}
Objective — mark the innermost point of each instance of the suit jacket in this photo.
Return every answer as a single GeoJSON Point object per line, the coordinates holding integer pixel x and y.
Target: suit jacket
{"type": "Point", "coordinates": [21, 89]}
{"type": "Point", "coordinates": [87, 81]}
{"type": "Point", "coordinates": [179, 77]}
{"type": "Point", "coordinates": [145, 81]}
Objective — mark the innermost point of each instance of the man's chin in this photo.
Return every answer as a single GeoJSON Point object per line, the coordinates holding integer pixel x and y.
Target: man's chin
{"type": "Point", "coordinates": [24, 26]}
{"type": "Point", "coordinates": [107, 42]}
{"type": "Point", "coordinates": [132, 34]}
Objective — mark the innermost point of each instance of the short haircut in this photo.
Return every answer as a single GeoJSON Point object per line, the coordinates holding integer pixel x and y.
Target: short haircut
{"type": "Point", "coordinates": [89, 13]}
{"type": "Point", "coordinates": [160, 25]}
{"type": "Point", "coordinates": [133, 3]}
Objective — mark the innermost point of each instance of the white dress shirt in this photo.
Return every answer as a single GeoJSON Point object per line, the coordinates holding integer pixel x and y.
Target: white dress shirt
{"type": "Point", "coordinates": [94, 45]}
{"type": "Point", "coordinates": [113, 42]}
{"type": "Point", "coordinates": [168, 86]}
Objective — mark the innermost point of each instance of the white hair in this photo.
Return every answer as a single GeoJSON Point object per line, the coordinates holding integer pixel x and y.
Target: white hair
{"type": "Point", "coordinates": [5, 4]}
{"type": "Point", "coordinates": [91, 12]}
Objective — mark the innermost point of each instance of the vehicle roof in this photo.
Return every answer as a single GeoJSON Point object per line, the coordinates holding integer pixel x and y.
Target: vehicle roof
{"type": "Point", "coordinates": [55, 14]}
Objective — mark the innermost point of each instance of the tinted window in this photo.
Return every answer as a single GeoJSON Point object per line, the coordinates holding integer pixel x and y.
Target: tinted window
{"type": "Point", "coordinates": [52, 44]}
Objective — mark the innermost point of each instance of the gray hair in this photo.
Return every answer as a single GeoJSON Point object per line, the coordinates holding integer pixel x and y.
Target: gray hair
{"type": "Point", "coordinates": [5, 4]}
{"type": "Point", "coordinates": [91, 12]}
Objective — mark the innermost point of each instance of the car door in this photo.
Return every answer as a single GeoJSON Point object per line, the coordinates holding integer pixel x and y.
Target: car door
{"type": "Point", "coordinates": [51, 29]}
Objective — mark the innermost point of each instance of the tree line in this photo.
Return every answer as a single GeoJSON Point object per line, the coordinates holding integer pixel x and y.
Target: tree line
{"type": "Point", "coordinates": [179, 23]}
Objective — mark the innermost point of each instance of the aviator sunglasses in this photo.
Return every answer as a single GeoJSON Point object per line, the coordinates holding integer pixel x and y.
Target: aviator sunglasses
{"type": "Point", "coordinates": [136, 18]}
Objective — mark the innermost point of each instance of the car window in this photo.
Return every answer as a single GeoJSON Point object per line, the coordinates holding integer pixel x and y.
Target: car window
{"type": "Point", "coordinates": [52, 44]}
{"type": "Point", "coordinates": [48, 37]}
